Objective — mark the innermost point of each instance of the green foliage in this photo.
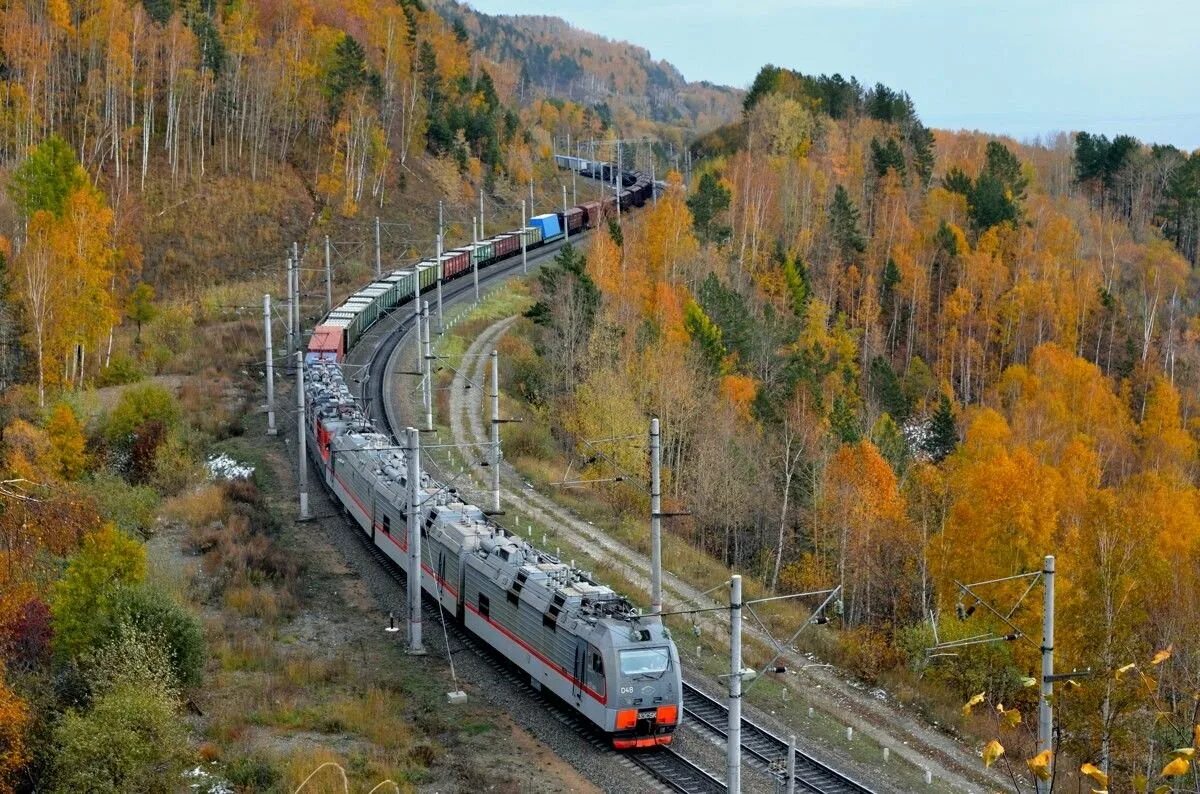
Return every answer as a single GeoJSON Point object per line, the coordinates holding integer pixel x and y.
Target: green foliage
{"type": "Point", "coordinates": [346, 72]}
{"type": "Point", "coordinates": [252, 773]}
{"type": "Point", "coordinates": [710, 199]}
{"type": "Point", "coordinates": [47, 177]}
{"type": "Point", "coordinates": [706, 334]}
{"type": "Point", "coordinates": [844, 421]}
{"type": "Point", "coordinates": [121, 370]}
{"type": "Point", "coordinates": [887, 389]}
{"type": "Point", "coordinates": [83, 601]}
{"type": "Point", "coordinates": [995, 196]}
{"type": "Point", "coordinates": [795, 275]}
{"type": "Point", "coordinates": [843, 225]}
{"type": "Point", "coordinates": [130, 740]}
{"type": "Point", "coordinates": [140, 307]}
{"type": "Point", "coordinates": [1098, 160]}
{"type": "Point", "coordinates": [889, 440]}
{"type": "Point", "coordinates": [131, 507]}
{"type": "Point", "coordinates": [727, 308]}
{"type": "Point", "coordinates": [565, 314]}
{"type": "Point", "coordinates": [614, 231]}
{"type": "Point", "coordinates": [887, 156]}
{"type": "Point", "coordinates": [943, 432]}
{"type": "Point", "coordinates": [139, 407]}
{"type": "Point", "coordinates": [131, 657]}
{"type": "Point", "coordinates": [152, 613]}
{"type": "Point", "coordinates": [988, 667]}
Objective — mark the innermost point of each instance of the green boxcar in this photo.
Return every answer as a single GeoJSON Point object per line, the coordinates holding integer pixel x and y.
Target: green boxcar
{"type": "Point", "coordinates": [404, 289]}
{"type": "Point", "coordinates": [428, 271]}
{"type": "Point", "coordinates": [481, 253]}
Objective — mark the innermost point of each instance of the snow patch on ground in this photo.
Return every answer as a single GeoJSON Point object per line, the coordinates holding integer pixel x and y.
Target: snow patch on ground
{"type": "Point", "coordinates": [203, 780]}
{"type": "Point", "coordinates": [224, 467]}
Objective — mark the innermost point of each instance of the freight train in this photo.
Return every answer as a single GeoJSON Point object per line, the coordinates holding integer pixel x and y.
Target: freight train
{"type": "Point", "coordinates": [571, 634]}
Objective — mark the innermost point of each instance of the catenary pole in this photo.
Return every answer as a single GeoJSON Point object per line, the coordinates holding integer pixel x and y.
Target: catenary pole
{"type": "Point", "coordinates": [428, 370]}
{"type": "Point", "coordinates": [733, 742]}
{"type": "Point", "coordinates": [656, 605]}
{"type": "Point", "coordinates": [328, 276]}
{"type": "Point", "coordinates": [482, 236]}
{"type": "Point", "coordinates": [270, 365]}
{"type": "Point", "coordinates": [566, 231]}
{"type": "Point", "coordinates": [475, 257]}
{"type": "Point", "coordinates": [296, 279]}
{"type": "Point", "coordinates": [413, 454]}
{"type": "Point", "coordinates": [301, 427]}
{"type": "Point", "coordinates": [524, 259]}
{"type": "Point", "coordinates": [495, 432]}
{"type": "Point", "coordinates": [791, 765]}
{"type": "Point", "coordinates": [291, 307]}
{"type": "Point", "coordinates": [440, 249]}
{"type": "Point", "coordinates": [378, 249]}
{"type": "Point", "coordinates": [1045, 734]}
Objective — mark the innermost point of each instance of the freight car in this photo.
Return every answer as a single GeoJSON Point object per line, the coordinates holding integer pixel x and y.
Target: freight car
{"type": "Point", "coordinates": [571, 634]}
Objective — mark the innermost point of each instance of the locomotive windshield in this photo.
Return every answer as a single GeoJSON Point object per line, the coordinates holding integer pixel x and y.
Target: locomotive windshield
{"type": "Point", "coordinates": [645, 661]}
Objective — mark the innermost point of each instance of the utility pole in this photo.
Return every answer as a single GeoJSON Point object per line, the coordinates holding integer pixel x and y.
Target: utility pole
{"type": "Point", "coordinates": [790, 780]}
{"type": "Point", "coordinates": [296, 279]}
{"type": "Point", "coordinates": [440, 247]}
{"type": "Point", "coordinates": [495, 432]}
{"type": "Point", "coordinates": [733, 733]}
{"type": "Point", "coordinates": [531, 197]}
{"type": "Point", "coordinates": [413, 455]}
{"type": "Point", "coordinates": [475, 256]}
{"type": "Point", "coordinates": [378, 249]}
{"type": "Point", "coordinates": [301, 427]}
{"type": "Point", "coordinates": [574, 169]}
{"type": "Point", "coordinates": [291, 317]}
{"type": "Point", "coordinates": [482, 236]}
{"type": "Point", "coordinates": [428, 370]}
{"type": "Point", "coordinates": [524, 259]}
{"type": "Point", "coordinates": [328, 276]}
{"type": "Point", "coordinates": [566, 231]}
{"type": "Point", "coordinates": [270, 366]}
{"type": "Point", "coordinates": [1045, 735]}
{"type": "Point", "coordinates": [656, 605]}
{"type": "Point", "coordinates": [653, 179]}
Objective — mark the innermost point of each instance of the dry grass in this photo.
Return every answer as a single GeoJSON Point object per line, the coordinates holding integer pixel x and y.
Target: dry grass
{"type": "Point", "coordinates": [200, 507]}
{"type": "Point", "coordinates": [250, 601]}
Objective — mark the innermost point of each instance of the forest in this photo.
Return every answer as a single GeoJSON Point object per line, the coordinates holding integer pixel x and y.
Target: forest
{"type": "Point", "coordinates": [885, 357]}
{"type": "Point", "coordinates": [894, 359]}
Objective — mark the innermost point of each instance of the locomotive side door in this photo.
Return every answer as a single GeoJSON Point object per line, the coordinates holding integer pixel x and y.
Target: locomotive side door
{"type": "Point", "coordinates": [579, 671]}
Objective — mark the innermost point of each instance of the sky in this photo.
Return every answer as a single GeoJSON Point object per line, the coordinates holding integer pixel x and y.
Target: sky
{"type": "Point", "coordinates": [1017, 67]}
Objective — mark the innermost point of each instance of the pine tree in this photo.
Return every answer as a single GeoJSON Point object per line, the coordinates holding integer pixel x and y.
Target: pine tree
{"type": "Point", "coordinates": [710, 200]}
{"type": "Point", "coordinates": [943, 432]}
{"type": "Point", "coordinates": [843, 225]}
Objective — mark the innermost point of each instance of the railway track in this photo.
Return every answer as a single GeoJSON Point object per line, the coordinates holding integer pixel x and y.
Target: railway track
{"type": "Point", "coordinates": [765, 748]}
{"type": "Point", "coordinates": [677, 773]}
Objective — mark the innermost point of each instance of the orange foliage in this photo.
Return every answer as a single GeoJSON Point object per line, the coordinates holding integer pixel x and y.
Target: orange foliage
{"type": "Point", "coordinates": [740, 391]}
{"type": "Point", "coordinates": [14, 720]}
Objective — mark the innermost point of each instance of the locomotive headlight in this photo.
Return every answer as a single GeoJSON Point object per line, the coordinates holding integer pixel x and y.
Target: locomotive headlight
{"type": "Point", "coordinates": [626, 718]}
{"type": "Point", "coordinates": [668, 715]}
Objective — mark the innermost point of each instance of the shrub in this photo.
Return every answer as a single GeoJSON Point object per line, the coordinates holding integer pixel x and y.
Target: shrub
{"type": "Point", "coordinates": [131, 507]}
{"type": "Point", "coordinates": [132, 657]}
{"type": "Point", "coordinates": [25, 638]}
{"type": "Point", "coordinates": [130, 740]}
{"type": "Point", "coordinates": [121, 370]}
{"type": "Point", "coordinates": [66, 441]}
{"type": "Point", "coordinates": [252, 774]}
{"type": "Point", "coordinates": [138, 407]}
{"type": "Point", "coordinates": [152, 613]}
{"type": "Point", "coordinates": [82, 602]}
{"type": "Point", "coordinates": [14, 720]}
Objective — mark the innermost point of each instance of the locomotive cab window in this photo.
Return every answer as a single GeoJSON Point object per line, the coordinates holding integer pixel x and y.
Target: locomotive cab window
{"type": "Point", "coordinates": [597, 664]}
{"type": "Point", "coordinates": [645, 661]}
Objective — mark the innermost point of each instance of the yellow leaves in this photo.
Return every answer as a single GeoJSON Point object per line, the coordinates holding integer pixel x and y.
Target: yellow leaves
{"type": "Point", "coordinates": [1196, 735]}
{"type": "Point", "coordinates": [1140, 783]}
{"type": "Point", "coordinates": [1040, 765]}
{"type": "Point", "coordinates": [1148, 683]}
{"type": "Point", "coordinates": [992, 752]}
{"type": "Point", "coordinates": [1095, 773]}
{"type": "Point", "coordinates": [972, 703]}
{"type": "Point", "coordinates": [1009, 718]}
{"type": "Point", "coordinates": [1121, 671]}
{"type": "Point", "coordinates": [740, 391]}
{"type": "Point", "coordinates": [1028, 681]}
{"type": "Point", "coordinates": [1183, 752]}
{"type": "Point", "coordinates": [1162, 655]}
{"type": "Point", "coordinates": [1177, 768]}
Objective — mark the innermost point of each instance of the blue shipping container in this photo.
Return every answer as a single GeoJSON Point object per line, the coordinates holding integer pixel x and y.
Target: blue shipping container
{"type": "Point", "coordinates": [548, 224]}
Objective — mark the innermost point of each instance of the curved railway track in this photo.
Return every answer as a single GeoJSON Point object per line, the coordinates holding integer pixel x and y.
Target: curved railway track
{"type": "Point", "coordinates": [664, 765]}
{"type": "Point", "coordinates": [765, 748]}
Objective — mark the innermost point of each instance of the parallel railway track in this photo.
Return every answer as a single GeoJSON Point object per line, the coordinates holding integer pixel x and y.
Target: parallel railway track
{"type": "Point", "coordinates": [765, 748]}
